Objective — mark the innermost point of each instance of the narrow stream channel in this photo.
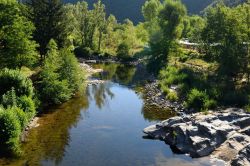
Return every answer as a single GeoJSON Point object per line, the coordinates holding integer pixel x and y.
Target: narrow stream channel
{"type": "Point", "coordinates": [101, 128]}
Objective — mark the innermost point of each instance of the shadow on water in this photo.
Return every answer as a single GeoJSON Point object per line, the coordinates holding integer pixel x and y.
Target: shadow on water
{"type": "Point", "coordinates": [101, 127]}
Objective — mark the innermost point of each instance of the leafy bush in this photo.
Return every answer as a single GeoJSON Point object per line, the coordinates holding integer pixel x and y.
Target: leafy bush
{"type": "Point", "coordinates": [210, 104]}
{"type": "Point", "coordinates": [171, 75]}
{"type": "Point", "coordinates": [172, 96]}
{"type": "Point", "coordinates": [123, 51]}
{"type": "Point", "coordinates": [9, 99]}
{"type": "Point", "coordinates": [28, 106]}
{"type": "Point", "coordinates": [55, 91]}
{"type": "Point", "coordinates": [10, 130]}
{"type": "Point", "coordinates": [13, 119]}
{"type": "Point", "coordinates": [199, 100]}
{"type": "Point", "coordinates": [14, 78]}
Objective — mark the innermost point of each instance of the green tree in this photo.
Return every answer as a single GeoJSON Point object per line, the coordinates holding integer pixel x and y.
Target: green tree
{"type": "Point", "coordinates": [70, 70]}
{"type": "Point", "coordinates": [80, 16]}
{"type": "Point", "coordinates": [123, 51]}
{"type": "Point", "coordinates": [150, 11]}
{"type": "Point", "coordinates": [16, 46]}
{"type": "Point", "coordinates": [101, 23]}
{"type": "Point", "coordinates": [47, 16]}
{"type": "Point", "coordinates": [163, 43]}
{"type": "Point", "coordinates": [53, 90]}
{"type": "Point", "coordinates": [224, 36]}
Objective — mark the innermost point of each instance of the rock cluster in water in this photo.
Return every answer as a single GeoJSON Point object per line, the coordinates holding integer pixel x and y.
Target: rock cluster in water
{"type": "Point", "coordinates": [223, 135]}
{"type": "Point", "coordinates": [155, 96]}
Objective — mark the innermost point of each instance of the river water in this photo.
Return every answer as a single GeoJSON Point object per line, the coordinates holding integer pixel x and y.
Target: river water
{"type": "Point", "coordinates": [101, 127]}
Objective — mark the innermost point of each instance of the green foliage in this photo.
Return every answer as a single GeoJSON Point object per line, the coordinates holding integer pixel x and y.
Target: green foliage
{"type": "Point", "coordinates": [16, 46]}
{"type": "Point", "coordinates": [9, 99]}
{"type": "Point", "coordinates": [47, 16]}
{"type": "Point", "coordinates": [123, 51]}
{"type": "Point", "coordinates": [172, 96]}
{"type": "Point", "coordinates": [171, 18]}
{"type": "Point", "coordinates": [150, 11]}
{"type": "Point", "coordinates": [193, 28]}
{"type": "Point", "coordinates": [27, 105]}
{"type": "Point", "coordinates": [70, 70]}
{"type": "Point", "coordinates": [171, 75]}
{"type": "Point", "coordinates": [163, 41]}
{"type": "Point", "coordinates": [53, 90]}
{"type": "Point", "coordinates": [224, 34]}
{"type": "Point", "coordinates": [61, 75]}
{"type": "Point", "coordinates": [93, 32]}
{"type": "Point", "coordinates": [10, 130]}
{"type": "Point", "coordinates": [247, 108]}
{"type": "Point", "coordinates": [198, 100]}
{"type": "Point", "coordinates": [14, 78]}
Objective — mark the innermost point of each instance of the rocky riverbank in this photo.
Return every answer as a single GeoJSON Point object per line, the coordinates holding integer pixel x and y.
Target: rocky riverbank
{"type": "Point", "coordinates": [154, 96]}
{"type": "Point", "coordinates": [223, 135]}
{"type": "Point", "coordinates": [90, 71]}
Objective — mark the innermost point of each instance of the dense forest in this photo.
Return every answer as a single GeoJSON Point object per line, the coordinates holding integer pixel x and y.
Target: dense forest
{"type": "Point", "coordinates": [40, 41]}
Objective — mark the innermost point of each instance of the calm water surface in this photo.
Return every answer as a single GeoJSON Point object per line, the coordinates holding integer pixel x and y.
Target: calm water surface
{"type": "Point", "coordinates": [101, 128]}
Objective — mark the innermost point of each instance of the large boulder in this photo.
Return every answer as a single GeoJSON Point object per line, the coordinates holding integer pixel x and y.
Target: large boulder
{"type": "Point", "coordinates": [199, 134]}
{"type": "Point", "coordinates": [242, 158]}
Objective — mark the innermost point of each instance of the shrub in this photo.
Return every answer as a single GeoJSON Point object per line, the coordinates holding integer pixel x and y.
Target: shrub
{"type": "Point", "coordinates": [123, 51]}
{"type": "Point", "coordinates": [20, 115]}
{"type": "Point", "coordinates": [55, 91]}
{"type": "Point", "coordinates": [172, 96]}
{"type": "Point", "coordinates": [184, 57]}
{"type": "Point", "coordinates": [10, 130]}
{"type": "Point", "coordinates": [196, 99]}
{"type": "Point", "coordinates": [171, 75]}
{"type": "Point", "coordinates": [9, 99]}
{"type": "Point", "coordinates": [164, 88]}
{"type": "Point", "coordinates": [14, 78]}
{"type": "Point", "coordinates": [210, 104]}
{"type": "Point", "coordinates": [28, 106]}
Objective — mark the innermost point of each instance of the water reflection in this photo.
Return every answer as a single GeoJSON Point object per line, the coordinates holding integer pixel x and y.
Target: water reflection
{"type": "Point", "coordinates": [100, 93]}
{"type": "Point", "coordinates": [153, 113]}
{"type": "Point", "coordinates": [123, 74]}
{"type": "Point", "coordinates": [102, 127]}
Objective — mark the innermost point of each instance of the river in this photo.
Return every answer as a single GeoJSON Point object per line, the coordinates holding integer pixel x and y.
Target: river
{"type": "Point", "coordinates": [101, 127]}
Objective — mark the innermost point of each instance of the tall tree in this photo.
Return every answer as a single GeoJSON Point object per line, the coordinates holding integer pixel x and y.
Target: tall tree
{"type": "Point", "coordinates": [47, 15]}
{"type": "Point", "coordinates": [16, 47]}
{"type": "Point", "coordinates": [101, 23]}
{"type": "Point", "coordinates": [226, 37]}
{"type": "Point", "coordinates": [163, 43]}
{"type": "Point", "coordinates": [150, 11]}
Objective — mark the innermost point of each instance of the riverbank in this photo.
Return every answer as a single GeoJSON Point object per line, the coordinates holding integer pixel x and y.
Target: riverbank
{"type": "Point", "coordinates": [89, 72]}
{"type": "Point", "coordinates": [223, 135]}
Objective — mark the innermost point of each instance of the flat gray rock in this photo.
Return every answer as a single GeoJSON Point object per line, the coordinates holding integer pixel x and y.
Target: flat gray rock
{"type": "Point", "coordinates": [201, 135]}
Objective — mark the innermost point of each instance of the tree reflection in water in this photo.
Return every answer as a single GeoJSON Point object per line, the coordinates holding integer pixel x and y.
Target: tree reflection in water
{"type": "Point", "coordinates": [120, 73]}
{"type": "Point", "coordinates": [154, 113]}
{"type": "Point", "coordinates": [49, 139]}
{"type": "Point", "coordinates": [101, 92]}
